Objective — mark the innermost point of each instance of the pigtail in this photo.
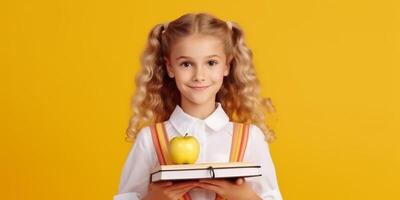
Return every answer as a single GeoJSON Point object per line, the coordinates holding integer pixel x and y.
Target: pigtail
{"type": "Point", "coordinates": [245, 100]}
{"type": "Point", "coordinates": [148, 84]}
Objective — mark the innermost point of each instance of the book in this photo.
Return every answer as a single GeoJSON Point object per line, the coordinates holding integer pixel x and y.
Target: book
{"type": "Point", "coordinates": [204, 171]}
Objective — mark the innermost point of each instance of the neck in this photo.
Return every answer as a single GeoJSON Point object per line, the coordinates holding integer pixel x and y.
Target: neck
{"type": "Point", "coordinates": [200, 111]}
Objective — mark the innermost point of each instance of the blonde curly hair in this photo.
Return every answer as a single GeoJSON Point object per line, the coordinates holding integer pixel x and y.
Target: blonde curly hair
{"type": "Point", "coordinates": [157, 95]}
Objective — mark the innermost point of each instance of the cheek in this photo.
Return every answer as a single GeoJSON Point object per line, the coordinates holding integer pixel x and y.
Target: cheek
{"type": "Point", "coordinates": [217, 76]}
{"type": "Point", "coordinates": [181, 81]}
{"type": "Point", "coordinates": [182, 77]}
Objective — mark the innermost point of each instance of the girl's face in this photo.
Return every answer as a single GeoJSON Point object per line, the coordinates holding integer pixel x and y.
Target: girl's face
{"type": "Point", "coordinates": [198, 63]}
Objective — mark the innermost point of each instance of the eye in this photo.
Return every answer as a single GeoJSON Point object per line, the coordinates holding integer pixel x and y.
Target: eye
{"type": "Point", "coordinates": [185, 64]}
{"type": "Point", "coordinates": [212, 62]}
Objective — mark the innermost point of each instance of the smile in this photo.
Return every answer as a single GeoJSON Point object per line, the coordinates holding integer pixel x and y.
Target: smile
{"type": "Point", "coordinates": [199, 88]}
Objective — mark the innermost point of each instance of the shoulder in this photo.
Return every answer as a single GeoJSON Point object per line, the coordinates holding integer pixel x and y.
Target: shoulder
{"type": "Point", "coordinates": [143, 137]}
{"type": "Point", "coordinates": [257, 144]}
{"type": "Point", "coordinates": [256, 132]}
{"type": "Point", "coordinates": [144, 143]}
{"type": "Point", "coordinates": [144, 133]}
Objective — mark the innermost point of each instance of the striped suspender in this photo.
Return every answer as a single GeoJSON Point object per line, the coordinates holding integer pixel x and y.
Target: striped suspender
{"type": "Point", "coordinates": [161, 142]}
{"type": "Point", "coordinates": [238, 147]}
{"type": "Point", "coordinates": [239, 141]}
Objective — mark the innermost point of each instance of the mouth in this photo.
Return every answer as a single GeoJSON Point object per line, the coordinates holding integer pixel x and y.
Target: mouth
{"type": "Point", "coordinates": [199, 88]}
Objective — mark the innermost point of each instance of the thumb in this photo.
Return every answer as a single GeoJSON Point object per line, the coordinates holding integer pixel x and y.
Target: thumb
{"type": "Point", "coordinates": [165, 183]}
{"type": "Point", "coordinates": [239, 181]}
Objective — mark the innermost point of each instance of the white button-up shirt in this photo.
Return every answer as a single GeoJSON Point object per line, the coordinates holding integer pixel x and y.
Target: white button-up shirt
{"type": "Point", "coordinates": [214, 135]}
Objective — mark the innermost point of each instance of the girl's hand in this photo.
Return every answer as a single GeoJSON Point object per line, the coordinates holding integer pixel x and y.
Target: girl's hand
{"type": "Point", "coordinates": [229, 190]}
{"type": "Point", "coordinates": [169, 190]}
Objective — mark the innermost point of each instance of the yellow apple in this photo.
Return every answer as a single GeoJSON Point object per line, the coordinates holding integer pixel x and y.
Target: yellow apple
{"type": "Point", "coordinates": [184, 150]}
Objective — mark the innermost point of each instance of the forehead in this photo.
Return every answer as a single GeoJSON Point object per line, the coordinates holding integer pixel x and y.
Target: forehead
{"type": "Point", "coordinates": [197, 46]}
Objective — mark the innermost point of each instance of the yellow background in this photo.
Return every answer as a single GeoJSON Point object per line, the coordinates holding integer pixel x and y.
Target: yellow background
{"type": "Point", "coordinates": [331, 68]}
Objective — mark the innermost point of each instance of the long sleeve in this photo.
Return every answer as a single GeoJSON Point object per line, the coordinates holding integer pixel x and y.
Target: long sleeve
{"type": "Point", "coordinates": [136, 171]}
{"type": "Point", "coordinates": [266, 186]}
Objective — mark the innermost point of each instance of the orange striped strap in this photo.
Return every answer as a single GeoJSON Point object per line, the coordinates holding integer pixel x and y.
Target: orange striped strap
{"type": "Point", "coordinates": [160, 141]}
{"type": "Point", "coordinates": [161, 145]}
{"type": "Point", "coordinates": [239, 143]}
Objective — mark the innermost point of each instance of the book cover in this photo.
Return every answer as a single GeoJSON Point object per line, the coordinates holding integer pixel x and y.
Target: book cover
{"type": "Point", "coordinates": [205, 171]}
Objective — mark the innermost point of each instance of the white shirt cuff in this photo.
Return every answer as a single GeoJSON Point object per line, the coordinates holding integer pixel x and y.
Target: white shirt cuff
{"type": "Point", "coordinates": [271, 195]}
{"type": "Point", "coordinates": [127, 196]}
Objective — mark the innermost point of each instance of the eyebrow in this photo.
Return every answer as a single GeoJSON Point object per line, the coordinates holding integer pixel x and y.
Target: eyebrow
{"type": "Point", "coordinates": [210, 56]}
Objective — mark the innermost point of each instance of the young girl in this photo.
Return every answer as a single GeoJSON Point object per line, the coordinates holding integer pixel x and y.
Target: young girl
{"type": "Point", "coordinates": [198, 78]}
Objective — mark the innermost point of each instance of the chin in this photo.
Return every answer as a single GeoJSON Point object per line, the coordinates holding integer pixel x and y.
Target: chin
{"type": "Point", "coordinates": [198, 101]}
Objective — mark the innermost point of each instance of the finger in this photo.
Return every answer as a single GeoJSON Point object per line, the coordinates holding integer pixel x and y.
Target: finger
{"type": "Point", "coordinates": [211, 187]}
{"type": "Point", "coordinates": [185, 182]}
{"type": "Point", "coordinates": [179, 187]}
{"type": "Point", "coordinates": [239, 181]}
{"type": "Point", "coordinates": [163, 183]}
{"type": "Point", "coordinates": [216, 182]}
{"type": "Point", "coordinates": [178, 193]}
{"type": "Point", "coordinates": [158, 185]}
{"type": "Point", "coordinates": [192, 183]}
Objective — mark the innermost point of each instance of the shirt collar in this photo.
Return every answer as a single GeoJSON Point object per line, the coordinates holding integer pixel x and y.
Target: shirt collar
{"type": "Point", "coordinates": [183, 121]}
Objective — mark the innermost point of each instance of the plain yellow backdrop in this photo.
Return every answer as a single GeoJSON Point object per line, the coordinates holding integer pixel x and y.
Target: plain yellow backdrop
{"type": "Point", "coordinates": [330, 66]}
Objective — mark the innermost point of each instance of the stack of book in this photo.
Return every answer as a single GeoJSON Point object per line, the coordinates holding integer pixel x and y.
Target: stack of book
{"type": "Point", "coordinates": [204, 171]}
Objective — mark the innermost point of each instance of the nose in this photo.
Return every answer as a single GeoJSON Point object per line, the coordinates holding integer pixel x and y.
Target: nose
{"type": "Point", "coordinates": [199, 74]}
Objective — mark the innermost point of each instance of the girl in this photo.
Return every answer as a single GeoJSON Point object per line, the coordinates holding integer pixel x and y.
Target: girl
{"type": "Point", "coordinates": [197, 77]}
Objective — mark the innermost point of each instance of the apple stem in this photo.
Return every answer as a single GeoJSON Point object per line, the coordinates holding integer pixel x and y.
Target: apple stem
{"type": "Point", "coordinates": [185, 135]}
